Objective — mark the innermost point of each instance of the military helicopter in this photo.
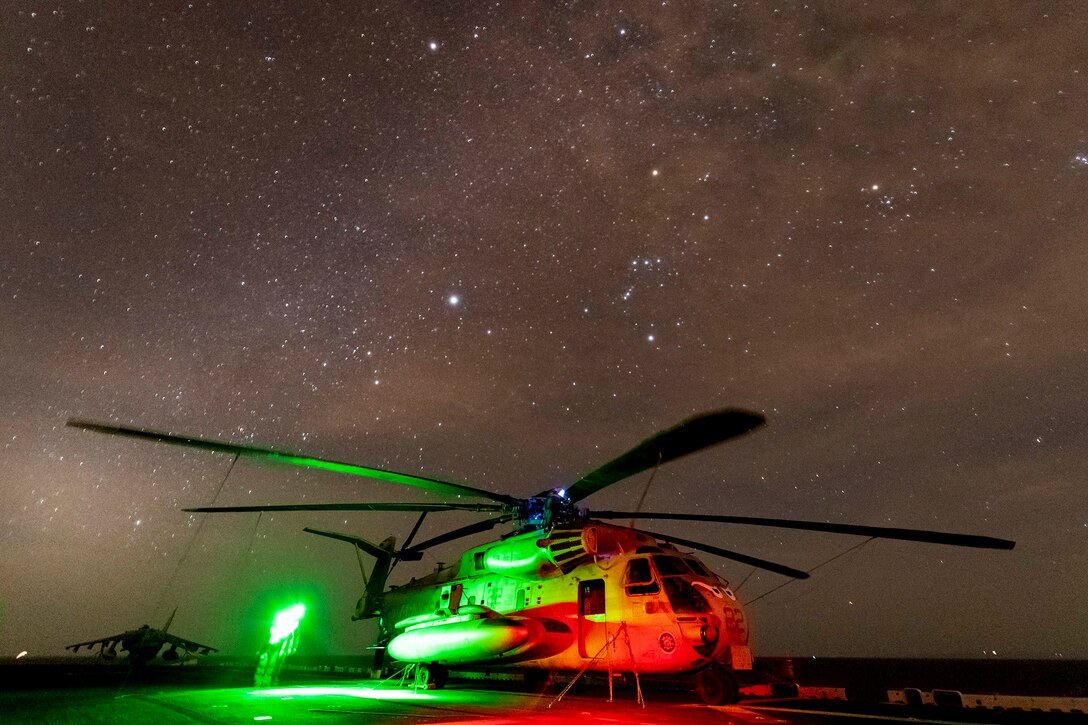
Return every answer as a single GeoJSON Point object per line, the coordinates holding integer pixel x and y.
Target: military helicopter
{"type": "Point", "coordinates": [143, 644]}
{"type": "Point", "coordinates": [564, 590]}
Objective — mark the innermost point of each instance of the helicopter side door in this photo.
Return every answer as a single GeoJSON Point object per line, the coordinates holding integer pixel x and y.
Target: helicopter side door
{"type": "Point", "coordinates": [591, 618]}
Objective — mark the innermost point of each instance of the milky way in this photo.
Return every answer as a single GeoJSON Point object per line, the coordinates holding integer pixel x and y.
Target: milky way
{"type": "Point", "coordinates": [502, 243]}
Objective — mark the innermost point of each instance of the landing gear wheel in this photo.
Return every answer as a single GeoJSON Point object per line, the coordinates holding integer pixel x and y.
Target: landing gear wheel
{"type": "Point", "coordinates": [421, 678]}
{"type": "Point", "coordinates": [437, 676]}
{"type": "Point", "coordinates": [716, 686]}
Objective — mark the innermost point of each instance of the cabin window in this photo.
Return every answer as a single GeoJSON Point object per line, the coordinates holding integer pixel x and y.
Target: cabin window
{"type": "Point", "coordinates": [592, 596]}
{"type": "Point", "coordinates": [640, 580]}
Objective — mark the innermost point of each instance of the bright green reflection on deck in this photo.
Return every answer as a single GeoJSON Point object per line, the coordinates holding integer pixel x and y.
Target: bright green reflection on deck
{"type": "Point", "coordinates": [360, 692]}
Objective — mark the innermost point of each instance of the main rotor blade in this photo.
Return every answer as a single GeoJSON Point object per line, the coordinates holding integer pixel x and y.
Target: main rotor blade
{"type": "Point", "coordinates": [690, 436]}
{"type": "Point", "coordinates": [414, 531]}
{"type": "Point", "coordinates": [878, 532]}
{"type": "Point", "coordinates": [725, 553]}
{"type": "Point", "coordinates": [430, 484]}
{"type": "Point", "coordinates": [488, 507]}
{"type": "Point", "coordinates": [475, 528]}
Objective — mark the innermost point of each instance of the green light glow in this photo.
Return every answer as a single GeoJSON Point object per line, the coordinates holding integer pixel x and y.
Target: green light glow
{"type": "Point", "coordinates": [517, 557]}
{"type": "Point", "coordinates": [359, 692]}
{"type": "Point", "coordinates": [285, 623]}
{"type": "Point", "coordinates": [438, 622]}
{"type": "Point", "coordinates": [458, 642]}
{"type": "Point", "coordinates": [496, 563]}
{"type": "Point", "coordinates": [429, 484]}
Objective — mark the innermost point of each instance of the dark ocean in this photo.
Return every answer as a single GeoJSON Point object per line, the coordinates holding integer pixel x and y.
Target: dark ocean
{"type": "Point", "coordinates": [870, 679]}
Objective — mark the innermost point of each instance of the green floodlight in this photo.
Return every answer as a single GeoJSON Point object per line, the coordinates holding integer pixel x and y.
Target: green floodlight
{"type": "Point", "coordinates": [285, 623]}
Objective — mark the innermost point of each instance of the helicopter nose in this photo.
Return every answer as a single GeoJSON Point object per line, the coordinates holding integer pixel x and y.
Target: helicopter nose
{"type": "Point", "coordinates": [702, 631]}
{"type": "Point", "coordinates": [725, 627]}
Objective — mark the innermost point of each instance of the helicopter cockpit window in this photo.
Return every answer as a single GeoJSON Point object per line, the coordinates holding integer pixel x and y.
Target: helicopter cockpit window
{"type": "Point", "coordinates": [640, 580]}
{"type": "Point", "coordinates": [697, 567]}
{"type": "Point", "coordinates": [671, 565]}
{"type": "Point", "coordinates": [684, 598]}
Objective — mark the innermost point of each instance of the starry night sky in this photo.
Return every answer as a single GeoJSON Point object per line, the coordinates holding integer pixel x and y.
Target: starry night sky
{"type": "Point", "coordinates": [501, 243]}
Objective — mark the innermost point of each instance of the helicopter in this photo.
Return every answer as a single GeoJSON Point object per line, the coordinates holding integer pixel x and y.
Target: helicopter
{"type": "Point", "coordinates": [565, 589]}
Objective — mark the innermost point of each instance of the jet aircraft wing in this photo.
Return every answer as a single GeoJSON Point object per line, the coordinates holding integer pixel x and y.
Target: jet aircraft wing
{"type": "Point", "coordinates": [105, 641]}
{"type": "Point", "coordinates": [187, 644]}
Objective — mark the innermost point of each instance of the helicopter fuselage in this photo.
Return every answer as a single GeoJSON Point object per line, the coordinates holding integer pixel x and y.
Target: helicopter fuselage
{"type": "Point", "coordinates": [589, 596]}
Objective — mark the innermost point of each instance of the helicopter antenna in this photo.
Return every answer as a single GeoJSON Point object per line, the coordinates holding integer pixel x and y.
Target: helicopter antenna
{"type": "Point", "coordinates": [646, 488]}
{"type": "Point", "coordinates": [790, 581]}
